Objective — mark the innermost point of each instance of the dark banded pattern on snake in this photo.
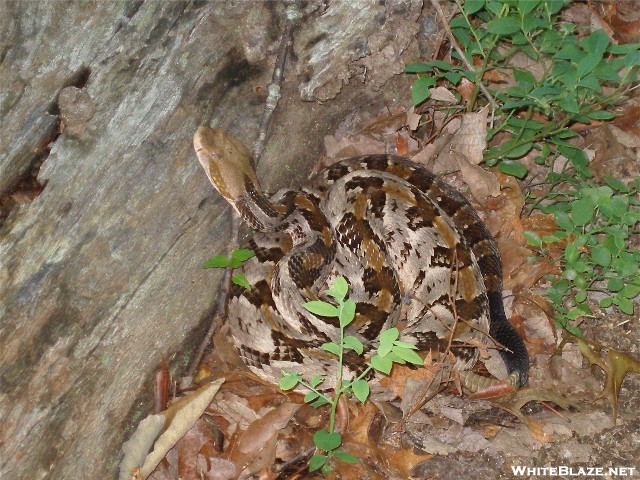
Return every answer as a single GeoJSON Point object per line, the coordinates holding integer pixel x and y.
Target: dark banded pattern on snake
{"type": "Point", "coordinates": [414, 252]}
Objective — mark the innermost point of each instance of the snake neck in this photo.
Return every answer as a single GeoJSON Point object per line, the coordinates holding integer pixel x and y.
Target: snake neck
{"type": "Point", "coordinates": [256, 210]}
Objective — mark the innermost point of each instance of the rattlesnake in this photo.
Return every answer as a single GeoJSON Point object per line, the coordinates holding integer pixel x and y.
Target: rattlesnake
{"type": "Point", "coordinates": [414, 252]}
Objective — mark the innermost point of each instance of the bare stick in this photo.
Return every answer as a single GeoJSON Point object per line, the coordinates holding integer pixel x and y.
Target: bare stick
{"type": "Point", "coordinates": [276, 80]}
{"type": "Point", "coordinates": [454, 43]}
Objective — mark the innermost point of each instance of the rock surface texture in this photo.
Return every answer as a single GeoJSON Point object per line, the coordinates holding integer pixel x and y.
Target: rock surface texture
{"type": "Point", "coordinates": [100, 274]}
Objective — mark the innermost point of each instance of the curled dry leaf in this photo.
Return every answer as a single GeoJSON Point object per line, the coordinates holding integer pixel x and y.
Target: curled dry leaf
{"type": "Point", "coordinates": [471, 138]}
{"type": "Point", "coordinates": [466, 89]}
{"type": "Point", "coordinates": [442, 94]}
{"type": "Point", "coordinates": [616, 366]}
{"type": "Point", "coordinates": [482, 183]}
{"type": "Point", "coordinates": [255, 447]}
{"type": "Point", "coordinates": [413, 120]}
{"type": "Point", "coordinates": [175, 421]}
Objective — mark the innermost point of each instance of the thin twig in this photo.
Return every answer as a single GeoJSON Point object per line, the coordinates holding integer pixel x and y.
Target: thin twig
{"type": "Point", "coordinates": [454, 43]}
{"type": "Point", "coordinates": [276, 80]}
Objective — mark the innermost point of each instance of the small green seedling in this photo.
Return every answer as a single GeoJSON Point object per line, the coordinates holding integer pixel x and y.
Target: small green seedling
{"type": "Point", "coordinates": [236, 260]}
{"type": "Point", "coordinates": [390, 351]}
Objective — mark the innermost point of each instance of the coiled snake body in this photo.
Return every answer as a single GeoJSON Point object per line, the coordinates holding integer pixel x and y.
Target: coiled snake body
{"type": "Point", "coordinates": [413, 250]}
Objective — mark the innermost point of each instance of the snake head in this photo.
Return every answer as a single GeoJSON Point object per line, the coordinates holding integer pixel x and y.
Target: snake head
{"type": "Point", "coordinates": [226, 161]}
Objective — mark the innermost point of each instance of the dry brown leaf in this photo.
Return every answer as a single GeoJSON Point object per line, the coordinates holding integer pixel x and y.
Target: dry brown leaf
{"type": "Point", "coordinates": [466, 90]}
{"type": "Point", "coordinates": [386, 123]}
{"type": "Point", "coordinates": [482, 183]}
{"type": "Point", "coordinates": [190, 446]}
{"type": "Point", "coordinates": [540, 331]}
{"type": "Point", "coordinates": [493, 76]}
{"type": "Point", "coordinates": [413, 119]}
{"type": "Point", "coordinates": [217, 468]}
{"type": "Point", "coordinates": [537, 431]}
{"type": "Point", "coordinates": [513, 257]}
{"type": "Point", "coordinates": [442, 94]}
{"type": "Point", "coordinates": [400, 374]}
{"type": "Point", "coordinates": [176, 421]}
{"type": "Point", "coordinates": [428, 154]}
{"type": "Point", "coordinates": [471, 138]}
{"type": "Point", "coordinates": [531, 274]}
{"type": "Point", "coordinates": [402, 144]}
{"type": "Point", "coordinates": [257, 443]}
{"type": "Point", "coordinates": [540, 223]}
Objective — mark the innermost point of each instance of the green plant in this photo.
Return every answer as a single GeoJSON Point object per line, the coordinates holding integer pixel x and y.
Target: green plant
{"type": "Point", "coordinates": [578, 77]}
{"type": "Point", "coordinates": [596, 224]}
{"type": "Point", "coordinates": [235, 260]}
{"type": "Point", "coordinates": [390, 351]}
{"type": "Point", "coordinates": [573, 76]}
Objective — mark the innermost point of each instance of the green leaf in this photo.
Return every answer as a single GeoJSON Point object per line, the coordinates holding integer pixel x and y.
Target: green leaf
{"type": "Point", "coordinates": [564, 221]}
{"type": "Point", "coordinates": [441, 65]}
{"type": "Point", "coordinates": [320, 308]}
{"type": "Point", "coordinates": [289, 381]}
{"type": "Point", "coordinates": [321, 401]}
{"type": "Point", "coordinates": [632, 59]}
{"type": "Point", "coordinates": [504, 25]}
{"type": "Point", "coordinates": [389, 336]}
{"type": "Point", "coordinates": [351, 342]}
{"type": "Point", "coordinates": [520, 151]}
{"type": "Point", "coordinates": [522, 77]}
{"type": "Point", "coordinates": [533, 239]}
{"type": "Point", "coordinates": [242, 254]}
{"type": "Point", "coordinates": [598, 41]}
{"type": "Point", "coordinates": [515, 169]}
{"type": "Point", "coordinates": [418, 68]}
{"type": "Point", "coordinates": [241, 280]}
{"type": "Point", "coordinates": [327, 441]}
{"type": "Point", "coordinates": [600, 115]}
{"type": "Point", "coordinates": [590, 82]}
{"type": "Point", "coordinates": [588, 63]}
{"type": "Point", "coordinates": [219, 261]}
{"type": "Point", "coordinates": [623, 49]}
{"type": "Point", "coordinates": [382, 364]}
{"type": "Point", "coordinates": [624, 304]}
{"type": "Point", "coordinates": [420, 90]}
{"type": "Point", "coordinates": [569, 103]}
{"type": "Point", "coordinates": [384, 349]}
{"type": "Point", "coordinates": [316, 380]}
{"type": "Point", "coordinates": [361, 390]}
{"type": "Point", "coordinates": [615, 285]}
{"type": "Point", "coordinates": [310, 397]}
{"type": "Point", "coordinates": [331, 348]}
{"type": "Point", "coordinates": [339, 290]}
{"type": "Point", "coordinates": [408, 355]}
{"type": "Point", "coordinates": [571, 253]}
{"type": "Point", "coordinates": [347, 313]}
{"type": "Point", "coordinates": [616, 184]}
{"type": "Point", "coordinates": [582, 211]}
{"type": "Point", "coordinates": [345, 457]}
{"type": "Point", "coordinates": [606, 302]}
{"type": "Point", "coordinates": [581, 296]}
{"type": "Point", "coordinates": [601, 256]}
{"type": "Point", "coordinates": [401, 344]}
{"type": "Point", "coordinates": [630, 291]}
{"type": "Point", "coordinates": [525, 6]}
{"type": "Point", "coordinates": [317, 461]}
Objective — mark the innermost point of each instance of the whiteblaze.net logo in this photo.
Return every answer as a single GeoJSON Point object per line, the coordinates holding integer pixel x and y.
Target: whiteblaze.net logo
{"type": "Point", "coordinates": [519, 470]}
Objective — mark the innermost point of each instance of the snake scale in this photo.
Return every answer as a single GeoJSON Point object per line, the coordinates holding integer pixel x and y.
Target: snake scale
{"type": "Point", "coordinates": [414, 252]}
